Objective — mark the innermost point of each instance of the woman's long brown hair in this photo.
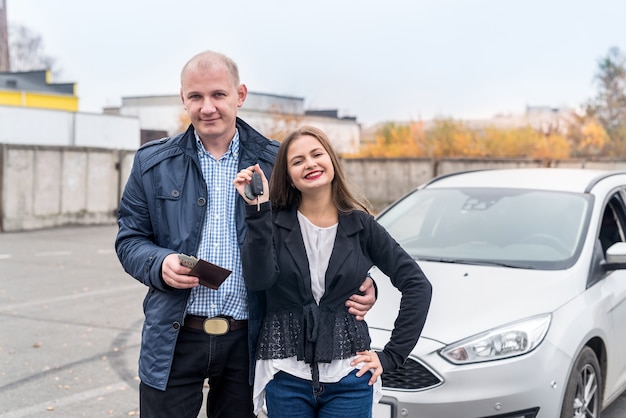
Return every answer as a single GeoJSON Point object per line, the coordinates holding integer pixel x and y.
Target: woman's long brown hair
{"type": "Point", "coordinates": [283, 195]}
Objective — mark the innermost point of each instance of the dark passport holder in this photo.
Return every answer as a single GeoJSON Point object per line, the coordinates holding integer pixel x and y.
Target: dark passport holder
{"type": "Point", "coordinates": [210, 275]}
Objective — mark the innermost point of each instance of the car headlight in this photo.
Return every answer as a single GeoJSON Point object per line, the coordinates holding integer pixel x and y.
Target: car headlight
{"type": "Point", "coordinates": [507, 341]}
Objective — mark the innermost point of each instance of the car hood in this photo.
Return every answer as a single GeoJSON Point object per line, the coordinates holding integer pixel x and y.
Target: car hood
{"type": "Point", "coordinates": [469, 299]}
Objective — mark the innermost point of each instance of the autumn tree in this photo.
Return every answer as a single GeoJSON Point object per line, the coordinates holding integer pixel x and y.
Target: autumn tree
{"type": "Point", "coordinates": [450, 138]}
{"type": "Point", "coordinates": [586, 135]}
{"type": "Point", "coordinates": [549, 146]}
{"type": "Point", "coordinates": [396, 140]}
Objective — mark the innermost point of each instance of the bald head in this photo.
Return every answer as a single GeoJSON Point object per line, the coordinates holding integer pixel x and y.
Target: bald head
{"type": "Point", "coordinates": [209, 60]}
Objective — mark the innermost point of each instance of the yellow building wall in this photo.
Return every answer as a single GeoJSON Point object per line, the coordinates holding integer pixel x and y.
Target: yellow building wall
{"type": "Point", "coordinates": [11, 98]}
{"type": "Point", "coordinates": [39, 100]}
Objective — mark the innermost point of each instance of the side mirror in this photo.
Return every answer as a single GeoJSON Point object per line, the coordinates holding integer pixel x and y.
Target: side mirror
{"type": "Point", "coordinates": [615, 257]}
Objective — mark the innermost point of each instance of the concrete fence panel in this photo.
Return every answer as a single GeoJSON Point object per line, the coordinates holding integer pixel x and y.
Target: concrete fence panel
{"type": "Point", "coordinates": [74, 181]}
{"type": "Point", "coordinates": [385, 180]}
{"type": "Point", "coordinates": [47, 183]}
{"type": "Point", "coordinates": [17, 187]}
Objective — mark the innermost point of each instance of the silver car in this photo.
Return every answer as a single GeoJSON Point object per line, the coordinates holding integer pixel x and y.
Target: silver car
{"type": "Point", "coordinates": [528, 316]}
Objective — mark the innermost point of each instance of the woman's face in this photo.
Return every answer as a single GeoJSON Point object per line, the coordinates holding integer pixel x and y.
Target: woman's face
{"type": "Point", "coordinates": [308, 164]}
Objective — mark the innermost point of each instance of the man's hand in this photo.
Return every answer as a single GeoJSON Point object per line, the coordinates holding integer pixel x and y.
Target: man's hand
{"type": "Point", "coordinates": [360, 305]}
{"type": "Point", "coordinates": [174, 274]}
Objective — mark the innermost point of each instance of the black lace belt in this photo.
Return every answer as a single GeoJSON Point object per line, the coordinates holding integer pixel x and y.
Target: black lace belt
{"type": "Point", "coordinates": [313, 334]}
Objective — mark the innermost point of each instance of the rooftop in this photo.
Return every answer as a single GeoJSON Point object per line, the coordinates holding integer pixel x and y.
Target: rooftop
{"type": "Point", "coordinates": [34, 81]}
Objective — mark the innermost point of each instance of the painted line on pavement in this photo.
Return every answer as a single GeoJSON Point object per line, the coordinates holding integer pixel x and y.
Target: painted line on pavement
{"type": "Point", "coordinates": [53, 253]}
{"type": "Point", "coordinates": [89, 293]}
{"type": "Point", "coordinates": [106, 251]}
{"type": "Point", "coordinates": [46, 407]}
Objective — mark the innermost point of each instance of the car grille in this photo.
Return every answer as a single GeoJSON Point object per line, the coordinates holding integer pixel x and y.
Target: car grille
{"type": "Point", "coordinates": [412, 375]}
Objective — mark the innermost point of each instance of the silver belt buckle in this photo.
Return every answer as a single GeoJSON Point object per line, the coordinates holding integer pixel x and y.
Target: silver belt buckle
{"type": "Point", "coordinates": [216, 326]}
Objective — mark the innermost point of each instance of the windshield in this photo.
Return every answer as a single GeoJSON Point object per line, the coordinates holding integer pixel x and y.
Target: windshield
{"type": "Point", "coordinates": [512, 227]}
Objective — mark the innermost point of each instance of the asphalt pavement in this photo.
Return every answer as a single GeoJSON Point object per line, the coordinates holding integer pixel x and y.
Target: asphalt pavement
{"type": "Point", "coordinates": [72, 325]}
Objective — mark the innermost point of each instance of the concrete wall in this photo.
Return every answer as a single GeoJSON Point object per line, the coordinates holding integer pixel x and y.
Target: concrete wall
{"type": "Point", "coordinates": [48, 186]}
{"type": "Point", "coordinates": [29, 126]}
{"type": "Point", "coordinates": [44, 186]}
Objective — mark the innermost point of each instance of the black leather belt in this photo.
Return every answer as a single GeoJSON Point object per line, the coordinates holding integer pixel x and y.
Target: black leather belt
{"type": "Point", "coordinates": [218, 325]}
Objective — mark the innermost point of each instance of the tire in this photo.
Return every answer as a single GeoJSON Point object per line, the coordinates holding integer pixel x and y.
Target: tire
{"type": "Point", "coordinates": [583, 393]}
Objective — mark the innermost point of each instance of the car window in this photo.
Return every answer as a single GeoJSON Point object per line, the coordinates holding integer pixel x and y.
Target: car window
{"type": "Point", "coordinates": [612, 227]}
{"type": "Point", "coordinates": [522, 228]}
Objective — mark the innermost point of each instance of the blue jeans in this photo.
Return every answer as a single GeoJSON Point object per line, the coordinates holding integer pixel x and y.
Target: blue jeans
{"type": "Point", "coordinates": [288, 396]}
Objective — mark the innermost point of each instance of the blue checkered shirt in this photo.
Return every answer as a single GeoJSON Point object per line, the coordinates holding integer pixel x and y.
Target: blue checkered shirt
{"type": "Point", "coordinates": [218, 243]}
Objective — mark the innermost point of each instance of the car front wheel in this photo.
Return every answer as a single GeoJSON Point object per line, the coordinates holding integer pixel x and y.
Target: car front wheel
{"type": "Point", "coordinates": [583, 394]}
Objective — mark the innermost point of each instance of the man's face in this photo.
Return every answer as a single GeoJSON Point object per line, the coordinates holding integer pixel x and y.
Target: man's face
{"type": "Point", "coordinates": [211, 100]}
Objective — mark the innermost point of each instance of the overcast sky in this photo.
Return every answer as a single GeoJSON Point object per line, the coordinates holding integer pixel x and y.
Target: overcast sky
{"type": "Point", "coordinates": [375, 60]}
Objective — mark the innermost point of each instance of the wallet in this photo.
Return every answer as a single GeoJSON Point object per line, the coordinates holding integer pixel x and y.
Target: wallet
{"type": "Point", "coordinates": [210, 275]}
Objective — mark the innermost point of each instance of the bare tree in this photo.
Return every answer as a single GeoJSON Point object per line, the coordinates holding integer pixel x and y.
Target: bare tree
{"type": "Point", "coordinates": [26, 51]}
{"type": "Point", "coordinates": [609, 105]}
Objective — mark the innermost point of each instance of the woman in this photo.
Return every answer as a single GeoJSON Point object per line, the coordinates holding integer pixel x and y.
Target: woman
{"type": "Point", "coordinates": [309, 241]}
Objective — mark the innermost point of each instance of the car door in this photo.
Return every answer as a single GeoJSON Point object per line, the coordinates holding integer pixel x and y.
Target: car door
{"type": "Point", "coordinates": [612, 230]}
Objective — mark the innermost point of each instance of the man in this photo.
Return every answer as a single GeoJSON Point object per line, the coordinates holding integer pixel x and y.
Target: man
{"type": "Point", "coordinates": [180, 199]}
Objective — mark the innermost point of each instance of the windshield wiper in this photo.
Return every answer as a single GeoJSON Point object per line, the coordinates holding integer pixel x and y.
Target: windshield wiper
{"type": "Point", "coordinates": [476, 262]}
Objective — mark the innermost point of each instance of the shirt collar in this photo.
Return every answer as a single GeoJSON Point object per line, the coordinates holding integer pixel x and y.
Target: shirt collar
{"type": "Point", "coordinates": [233, 148]}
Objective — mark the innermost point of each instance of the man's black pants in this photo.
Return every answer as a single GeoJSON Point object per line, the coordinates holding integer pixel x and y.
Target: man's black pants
{"type": "Point", "coordinates": [222, 359]}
